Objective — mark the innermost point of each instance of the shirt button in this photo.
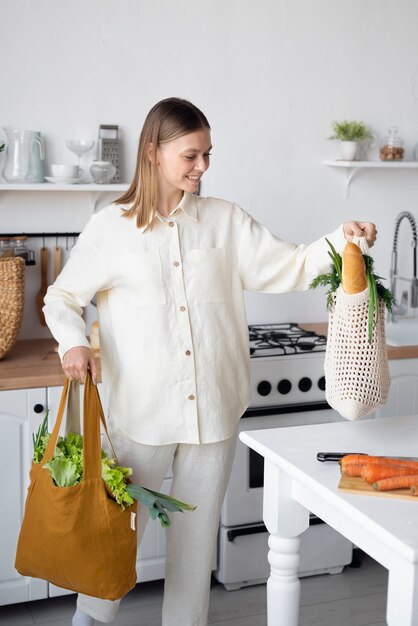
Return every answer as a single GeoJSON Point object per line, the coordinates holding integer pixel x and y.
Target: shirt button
{"type": "Point", "coordinates": [171, 224]}
{"type": "Point", "coordinates": [188, 353]}
{"type": "Point", "coordinates": [182, 308]}
{"type": "Point", "coordinates": [191, 397]}
{"type": "Point", "coordinates": [176, 263]}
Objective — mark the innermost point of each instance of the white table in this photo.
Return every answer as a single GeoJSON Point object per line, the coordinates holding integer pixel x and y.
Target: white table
{"type": "Point", "coordinates": [296, 483]}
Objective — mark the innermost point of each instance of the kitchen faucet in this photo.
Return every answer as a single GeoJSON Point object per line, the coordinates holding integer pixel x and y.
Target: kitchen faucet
{"type": "Point", "coordinates": [396, 310]}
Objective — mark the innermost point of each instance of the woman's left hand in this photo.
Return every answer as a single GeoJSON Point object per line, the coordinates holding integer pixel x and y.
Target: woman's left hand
{"type": "Point", "coordinates": [360, 229]}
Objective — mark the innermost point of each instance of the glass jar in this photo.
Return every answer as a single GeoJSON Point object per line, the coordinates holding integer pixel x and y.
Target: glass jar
{"type": "Point", "coordinates": [20, 247]}
{"type": "Point", "coordinates": [6, 247]}
{"type": "Point", "coordinates": [102, 171]}
{"type": "Point", "coordinates": [391, 148]}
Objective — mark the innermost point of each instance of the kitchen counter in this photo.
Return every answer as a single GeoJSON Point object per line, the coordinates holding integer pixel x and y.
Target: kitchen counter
{"type": "Point", "coordinates": [394, 352]}
{"type": "Point", "coordinates": [35, 362]}
{"type": "Point", "coordinates": [31, 363]}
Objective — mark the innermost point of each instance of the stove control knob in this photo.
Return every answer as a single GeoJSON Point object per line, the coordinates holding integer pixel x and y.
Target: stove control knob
{"type": "Point", "coordinates": [305, 384]}
{"type": "Point", "coordinates": [321, 383]}
{"type": "Point", "coordinates": [264, 388]}
{"type": "Point", "coordinates": [284, 386]}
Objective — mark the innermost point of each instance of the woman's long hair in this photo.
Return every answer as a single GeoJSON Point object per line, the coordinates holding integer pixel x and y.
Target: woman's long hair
{"type": "Point", "coordinates": [167, 120]}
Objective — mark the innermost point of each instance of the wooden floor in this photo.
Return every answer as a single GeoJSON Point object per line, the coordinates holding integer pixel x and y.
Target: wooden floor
{"type": "Point", "coordinates": [357, 597]}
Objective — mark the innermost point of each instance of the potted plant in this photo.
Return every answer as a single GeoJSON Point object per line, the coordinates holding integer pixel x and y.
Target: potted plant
{"type": "Point", "coordinates": [350, 133]}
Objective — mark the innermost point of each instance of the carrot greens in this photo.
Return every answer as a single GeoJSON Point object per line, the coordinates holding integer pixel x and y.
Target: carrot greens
{"type": "Point", "coordinates": [377, 291]}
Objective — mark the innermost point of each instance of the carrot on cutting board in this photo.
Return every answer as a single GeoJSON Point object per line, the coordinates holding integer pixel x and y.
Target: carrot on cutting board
{"type": "Point", "coordinates": [396, 482]}
{"type": "Point", "coordinates": [385, 460]}
{"type": "Point", "coordinates": [352, 469]}
{"type": "Point", "coordinates": [373, 472]}
{"type": "Point", "coordinates": [353, 460]}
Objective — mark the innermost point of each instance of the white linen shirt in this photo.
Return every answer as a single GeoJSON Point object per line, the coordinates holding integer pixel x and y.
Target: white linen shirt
{"type": "Point", "coordinates": [173, 329]}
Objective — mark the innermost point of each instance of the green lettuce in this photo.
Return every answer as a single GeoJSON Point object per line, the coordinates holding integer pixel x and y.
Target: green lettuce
{"type": "Point", "coordinates": [66, 470]}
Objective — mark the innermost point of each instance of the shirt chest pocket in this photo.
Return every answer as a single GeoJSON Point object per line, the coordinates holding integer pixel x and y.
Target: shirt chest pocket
{"type": "Point", "coordinates": [207, 275]}
{"type": "Point", "coordinates": [141, 275]}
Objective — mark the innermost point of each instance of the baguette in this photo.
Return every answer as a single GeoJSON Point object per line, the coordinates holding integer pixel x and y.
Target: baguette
{"type": "Point", "coordinates": [94, 336]}
{"type": "Point", "coordinates": [354, 278]}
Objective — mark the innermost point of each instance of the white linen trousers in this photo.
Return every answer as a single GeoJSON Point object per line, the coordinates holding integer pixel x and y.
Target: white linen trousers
{"type": "Point", "coordinates": [200, 476]}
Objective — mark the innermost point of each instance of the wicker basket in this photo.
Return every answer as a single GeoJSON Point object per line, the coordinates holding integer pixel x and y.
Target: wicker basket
{"type": "Point", "coordinates": [12, 285]}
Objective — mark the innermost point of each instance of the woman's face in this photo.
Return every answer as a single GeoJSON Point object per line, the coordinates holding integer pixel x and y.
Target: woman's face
{"type": "Point", "coordinates": [183, 161]}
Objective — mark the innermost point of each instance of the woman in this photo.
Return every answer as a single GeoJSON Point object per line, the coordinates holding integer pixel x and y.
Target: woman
{"type": "Point", "coordinates": [169, 269]}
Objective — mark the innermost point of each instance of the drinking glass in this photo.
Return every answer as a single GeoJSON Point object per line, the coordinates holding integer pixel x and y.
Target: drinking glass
{"type": "Point", "coordinates": [79, 146]}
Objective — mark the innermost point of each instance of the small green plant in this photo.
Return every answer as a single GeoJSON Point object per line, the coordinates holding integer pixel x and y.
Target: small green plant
{"type": "Point", "coordinates": [350, 131]}
{"type": "Point", "coordinates": [2, 146]}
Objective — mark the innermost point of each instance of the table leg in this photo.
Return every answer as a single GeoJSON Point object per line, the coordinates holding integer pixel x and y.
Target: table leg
{"type": "Point", "coordinates": [285, 520]}
{"type": "Point", "coordinates": [402, 603]}
{"type": "Point", "coordinates": [283, 585]}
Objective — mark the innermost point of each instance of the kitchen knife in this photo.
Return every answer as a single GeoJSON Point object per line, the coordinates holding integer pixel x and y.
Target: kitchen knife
{"type": "Point", "coordinates": [337, 456]}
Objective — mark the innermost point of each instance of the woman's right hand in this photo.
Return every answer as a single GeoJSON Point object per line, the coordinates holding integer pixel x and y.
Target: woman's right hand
{"type": "Point", "coordinates": [77, 361]}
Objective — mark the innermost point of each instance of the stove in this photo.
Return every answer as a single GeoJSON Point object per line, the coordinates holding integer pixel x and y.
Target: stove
{"type": "Point", "coordinates": [287, 366]}
{"type": "Point", "coordinates": [267, 340]}
{"type": "Point", "coordinates": [287, 389]}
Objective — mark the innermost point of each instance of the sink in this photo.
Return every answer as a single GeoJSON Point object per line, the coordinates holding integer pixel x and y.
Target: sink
{"type": "Point", "coordinates": [404, 332]}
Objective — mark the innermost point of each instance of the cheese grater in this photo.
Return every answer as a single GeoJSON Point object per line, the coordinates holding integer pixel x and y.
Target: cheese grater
{"type": "Point", "coordinates": [109, 147]}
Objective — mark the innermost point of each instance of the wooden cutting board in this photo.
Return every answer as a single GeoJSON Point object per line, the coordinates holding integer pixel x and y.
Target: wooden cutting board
{"type": "Point", "coordinates": [356, 484]}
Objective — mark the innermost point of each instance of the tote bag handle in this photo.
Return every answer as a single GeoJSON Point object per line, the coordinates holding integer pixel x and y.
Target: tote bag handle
{"type": "Point", "coordinates": [92, 415]}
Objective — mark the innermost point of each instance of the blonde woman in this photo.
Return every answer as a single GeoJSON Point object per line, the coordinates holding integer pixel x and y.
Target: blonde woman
{"type": "Point", "coordinates": [169, 269]}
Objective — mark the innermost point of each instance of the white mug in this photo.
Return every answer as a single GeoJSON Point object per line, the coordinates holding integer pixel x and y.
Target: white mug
{"type": "Point", "coordinates": [65, 171]}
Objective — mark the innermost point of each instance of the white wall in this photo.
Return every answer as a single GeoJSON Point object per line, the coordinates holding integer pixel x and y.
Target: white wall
{"type": "Point", "coordinates": [270, 76]}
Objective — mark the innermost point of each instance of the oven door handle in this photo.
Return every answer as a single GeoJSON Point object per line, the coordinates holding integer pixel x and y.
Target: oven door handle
{"type": "Point", "coordinates": [243, 531]}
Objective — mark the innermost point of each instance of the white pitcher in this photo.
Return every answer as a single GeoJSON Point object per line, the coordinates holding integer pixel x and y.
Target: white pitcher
{"type": "Point", "coordinates": [24, 155]}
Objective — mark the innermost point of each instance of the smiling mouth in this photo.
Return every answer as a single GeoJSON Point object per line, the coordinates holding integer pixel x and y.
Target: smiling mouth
{"type": "Point", "coordinates": [194, 179]}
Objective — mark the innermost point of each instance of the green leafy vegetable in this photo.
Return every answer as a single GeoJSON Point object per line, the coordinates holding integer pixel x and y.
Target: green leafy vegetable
{"type": "Point", "coordinates": [377, 290]}
{"type": "Point", "coordinates": [158, 503]}
{"type": "Point", "coordinates": [63, 471]}
{"type": "Point", "coordinates": [40, 440]}
{"type": "Point", "coordinates": [66, 469]}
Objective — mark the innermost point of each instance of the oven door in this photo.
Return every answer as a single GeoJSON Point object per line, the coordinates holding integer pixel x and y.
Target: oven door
{"type": "Point", "coordinates": [243, 503]}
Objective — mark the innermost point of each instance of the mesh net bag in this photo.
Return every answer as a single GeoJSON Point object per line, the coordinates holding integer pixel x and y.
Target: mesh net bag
{"type": "Point", "coordinates": [356, 371]}
{"type": "Point", "coordinates": [12, 284]}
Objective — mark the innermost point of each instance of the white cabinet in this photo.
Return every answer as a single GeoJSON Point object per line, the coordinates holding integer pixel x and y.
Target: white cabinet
{"type": "Point", "coordinates": [18, 420]}
{"type": "Point", "coordinates": [151, 552]}
{"type": "Point", "coordinates": [21, 413]}
{"type": "Point", "coordinates": [403, 393]}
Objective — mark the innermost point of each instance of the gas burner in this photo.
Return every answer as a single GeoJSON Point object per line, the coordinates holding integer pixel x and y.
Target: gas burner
{"type": "Point", "coordinates": [283, 339]}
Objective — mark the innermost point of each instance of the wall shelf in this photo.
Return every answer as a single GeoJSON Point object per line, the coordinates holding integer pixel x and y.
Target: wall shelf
{"type": "Point", "coordinates": [354, 167]}
{"type": "Point", "coordinates": [95, 189]}
{"type": "Point", "coordinates": [62, 187]}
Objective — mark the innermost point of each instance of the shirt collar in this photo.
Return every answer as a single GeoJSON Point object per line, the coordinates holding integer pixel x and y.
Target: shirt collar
{"type": "Point", "coordinates": [188, 204]}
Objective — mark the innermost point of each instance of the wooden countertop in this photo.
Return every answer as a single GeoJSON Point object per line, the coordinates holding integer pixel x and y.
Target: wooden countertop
{"type": "Point", "coordinates": [403, 352]}
{"type": "Point", "coordinates": [35, 362]}
{"type": "Point", "coordinates": [31, 363]}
